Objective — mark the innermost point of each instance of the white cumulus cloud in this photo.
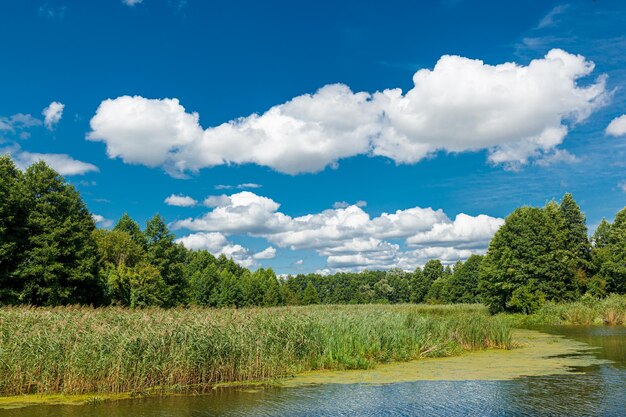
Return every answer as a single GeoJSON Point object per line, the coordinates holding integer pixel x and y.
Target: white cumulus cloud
{"type": "Point", "coordinates": [52, 114]}
{"type": "Point", "coordinates": [267, 253]}
{"type": "Point", "coordinates": [61, 163]}
{"type": "Point", "coordinates": [617, 127]}
{"type": "Point", "coordinates": [516, 112]}
{"type": "Point", "coordinates": [217, 244]}
{"type": "Point", "coordinates": [180, 201]}
{"type": "Point", "coordinates": [348, 236]}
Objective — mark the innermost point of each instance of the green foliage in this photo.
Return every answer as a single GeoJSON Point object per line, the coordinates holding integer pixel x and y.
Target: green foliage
{"type": "Point", "coordinates": [229, 293]}
{"type": "Point", "coordinates": [203, 275]}
{"type": "Point", "coordinates": [310, 295]}
{"type": "Point", "coordinates": [138, 286]}
{"type": "Point", "coordinates": [115, 247]}
{"type": "Point", "coordinates": [13, 234]}
{"type": "Point", "coordinates": [610, 256]}
{"type": "Point", "coordinates": [59, 264]}
{"type": "Point", "coordinates": [128, 225]}
{"type": "Point", "coordinates": [539, 253]}
{"type": "Point", "coordinates": [168, 257]}
{"type": "Point", "coordinates": [463, 284]}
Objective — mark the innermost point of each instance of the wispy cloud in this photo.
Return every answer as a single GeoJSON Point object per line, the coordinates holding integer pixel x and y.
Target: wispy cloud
{"type": "Point", "coordinates": [48, 11]}
{"type": "Point", "coordinates": [238, 186]}
{"type": "Point", "coordinates": [551, 18]}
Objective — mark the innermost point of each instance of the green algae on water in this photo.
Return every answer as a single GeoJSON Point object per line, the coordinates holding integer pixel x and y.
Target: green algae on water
{"type": "Point", "coordinates": [537, 354]}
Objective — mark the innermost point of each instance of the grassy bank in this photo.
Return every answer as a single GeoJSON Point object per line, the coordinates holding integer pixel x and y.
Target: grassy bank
{"type": "Point", "coordinates": [76, 350]}
{"type": "Point", "coordinates": [610, 310]}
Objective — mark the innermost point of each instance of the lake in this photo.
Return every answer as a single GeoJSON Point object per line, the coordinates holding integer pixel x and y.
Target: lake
{"type": "Point", "coordinates": [598, 389]}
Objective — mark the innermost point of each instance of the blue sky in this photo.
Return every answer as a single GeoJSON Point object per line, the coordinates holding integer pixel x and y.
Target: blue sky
{"type": "Point", "coordinates": [342, 179]}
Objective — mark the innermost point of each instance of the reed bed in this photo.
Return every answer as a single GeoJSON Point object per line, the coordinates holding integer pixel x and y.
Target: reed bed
{"type": "Point", "coordinates": [76, 350]}
{"type": "Point", "coordinates": [587, 311]}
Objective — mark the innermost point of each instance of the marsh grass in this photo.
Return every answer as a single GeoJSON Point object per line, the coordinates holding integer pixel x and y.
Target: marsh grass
{"type": "Point", "coordinates": [77, 350]}
{"type": "Point", "coordinates": [587, 311]}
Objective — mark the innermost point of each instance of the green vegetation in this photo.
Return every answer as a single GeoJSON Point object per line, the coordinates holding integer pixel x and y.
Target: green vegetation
{"type": "Point", "coordinates": [51, 254]}
{"type": "Point", "coordinates": [74, 350]}
{"type": "Point", "coordinates": [588, 310]}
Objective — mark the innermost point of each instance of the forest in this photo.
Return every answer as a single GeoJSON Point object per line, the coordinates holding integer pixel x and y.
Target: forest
{"type": "Point", "coordinates": [52, 254]}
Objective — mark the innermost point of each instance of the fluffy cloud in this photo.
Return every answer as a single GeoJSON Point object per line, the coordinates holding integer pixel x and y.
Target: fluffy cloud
{"type": "Point", "coordinates": [131, 2]}
{"type": "Point", "coordinates": [217, 244]}
{"type": "Point", "coordinates": [52, 114]}
{"type": "Point", "coordinates": [464, 232]}
{"type": "Point", "coordinates": [516, 112]}
{"type": "Point", "coordinates": [617, 127]}
{"type": "Point", "coordinates": [102, 221]}
{"type": "Point", "coordinates": [267, 253]}
{"type": "Point", "coordinates": [62, 163]}
{"type": "Point", "coordinates": [180, 201]}
{"type": "Point", "coordinates": [347, 236]}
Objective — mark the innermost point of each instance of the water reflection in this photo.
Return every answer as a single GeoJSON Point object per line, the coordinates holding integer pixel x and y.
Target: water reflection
{"type": "Point", "coordinates": [595, 390]}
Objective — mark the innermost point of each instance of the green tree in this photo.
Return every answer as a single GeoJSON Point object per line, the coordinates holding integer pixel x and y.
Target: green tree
{"type": "Point", "coordinates": [463, 284]}
{"type": "Point", "coordinates": [168, 257]}
{"type": "Point", "coordinates": [421, 280]}
{"type": "Point", "coordinates": [116, 247]}
{"type": "Point", "coordinates": [203, 275]}
{"type": "Point", "coordinates": [253, 288]}
{"type": "Point", "coordinates": [128, 225]}
{"type": "Point", "coordinates": [229, 294]}
{"type": "Point", "coordinates": [438, 291]}
{"type": "Point", "coordinates": [310, 295]}
{"type": "Point", "coordinates": [399, 281]}
{"type": "Point", "coordinates": [529, 251]}
{"type": "Point", "coordinates": [138, 286]}
{"type": "Point", "coordinates": [575, 240]}
{"type": "Point", "coordinates": [612, 257]}
{"type": "Point", "coordinates": [600, 237]}
{"type": "Point", "coordinates": [272, 296]}
{"type": "Point", "coordinates": [13, 232]}
{"type": "Point", "coordinates": [59, 265]}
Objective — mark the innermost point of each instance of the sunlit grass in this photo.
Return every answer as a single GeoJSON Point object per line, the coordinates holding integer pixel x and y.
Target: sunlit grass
{"type": "Point", "coordinates": [610, 310]}
{"type": "Point", "coordinates": [77, 350]}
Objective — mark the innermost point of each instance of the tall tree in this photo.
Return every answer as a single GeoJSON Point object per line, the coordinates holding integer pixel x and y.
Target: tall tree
{"type": "Point", "coordinates": [13, 234]}
{"type": "Point", "coordinates": [527, 262]}
{"type": "Point", "coordinates": [168, 257]}
{"type": "Point", "coordinates": [128, 225]}
{"type": "Point", "coordinates": [576, 239]}
{"type": "Point", "coordinates": [203, 276]}
{"type": "Point", "coordinates": [463, 285]}
{"type": "Point", "coordinates": [310, 295]}
{"type": "Point", "coordinates": [600, 237]}
{"type": "Point", "coordinates": [613, 256]}
{"type": "Point", "coordinates": [272, 296]}
{"type": "Point", "coordinates": [59, 265]}
{"type": "Point", "coordinates": [229, 294]}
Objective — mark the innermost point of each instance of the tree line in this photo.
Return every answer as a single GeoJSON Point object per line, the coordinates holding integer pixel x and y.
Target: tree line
{"type": "Point", "coordinates": [51, 253]}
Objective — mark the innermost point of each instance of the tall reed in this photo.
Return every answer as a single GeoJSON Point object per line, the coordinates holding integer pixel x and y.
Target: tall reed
{"type": "Point", "coordinates": [114, 350]}
{"type": "Point", "coordinates": [610, 310]}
